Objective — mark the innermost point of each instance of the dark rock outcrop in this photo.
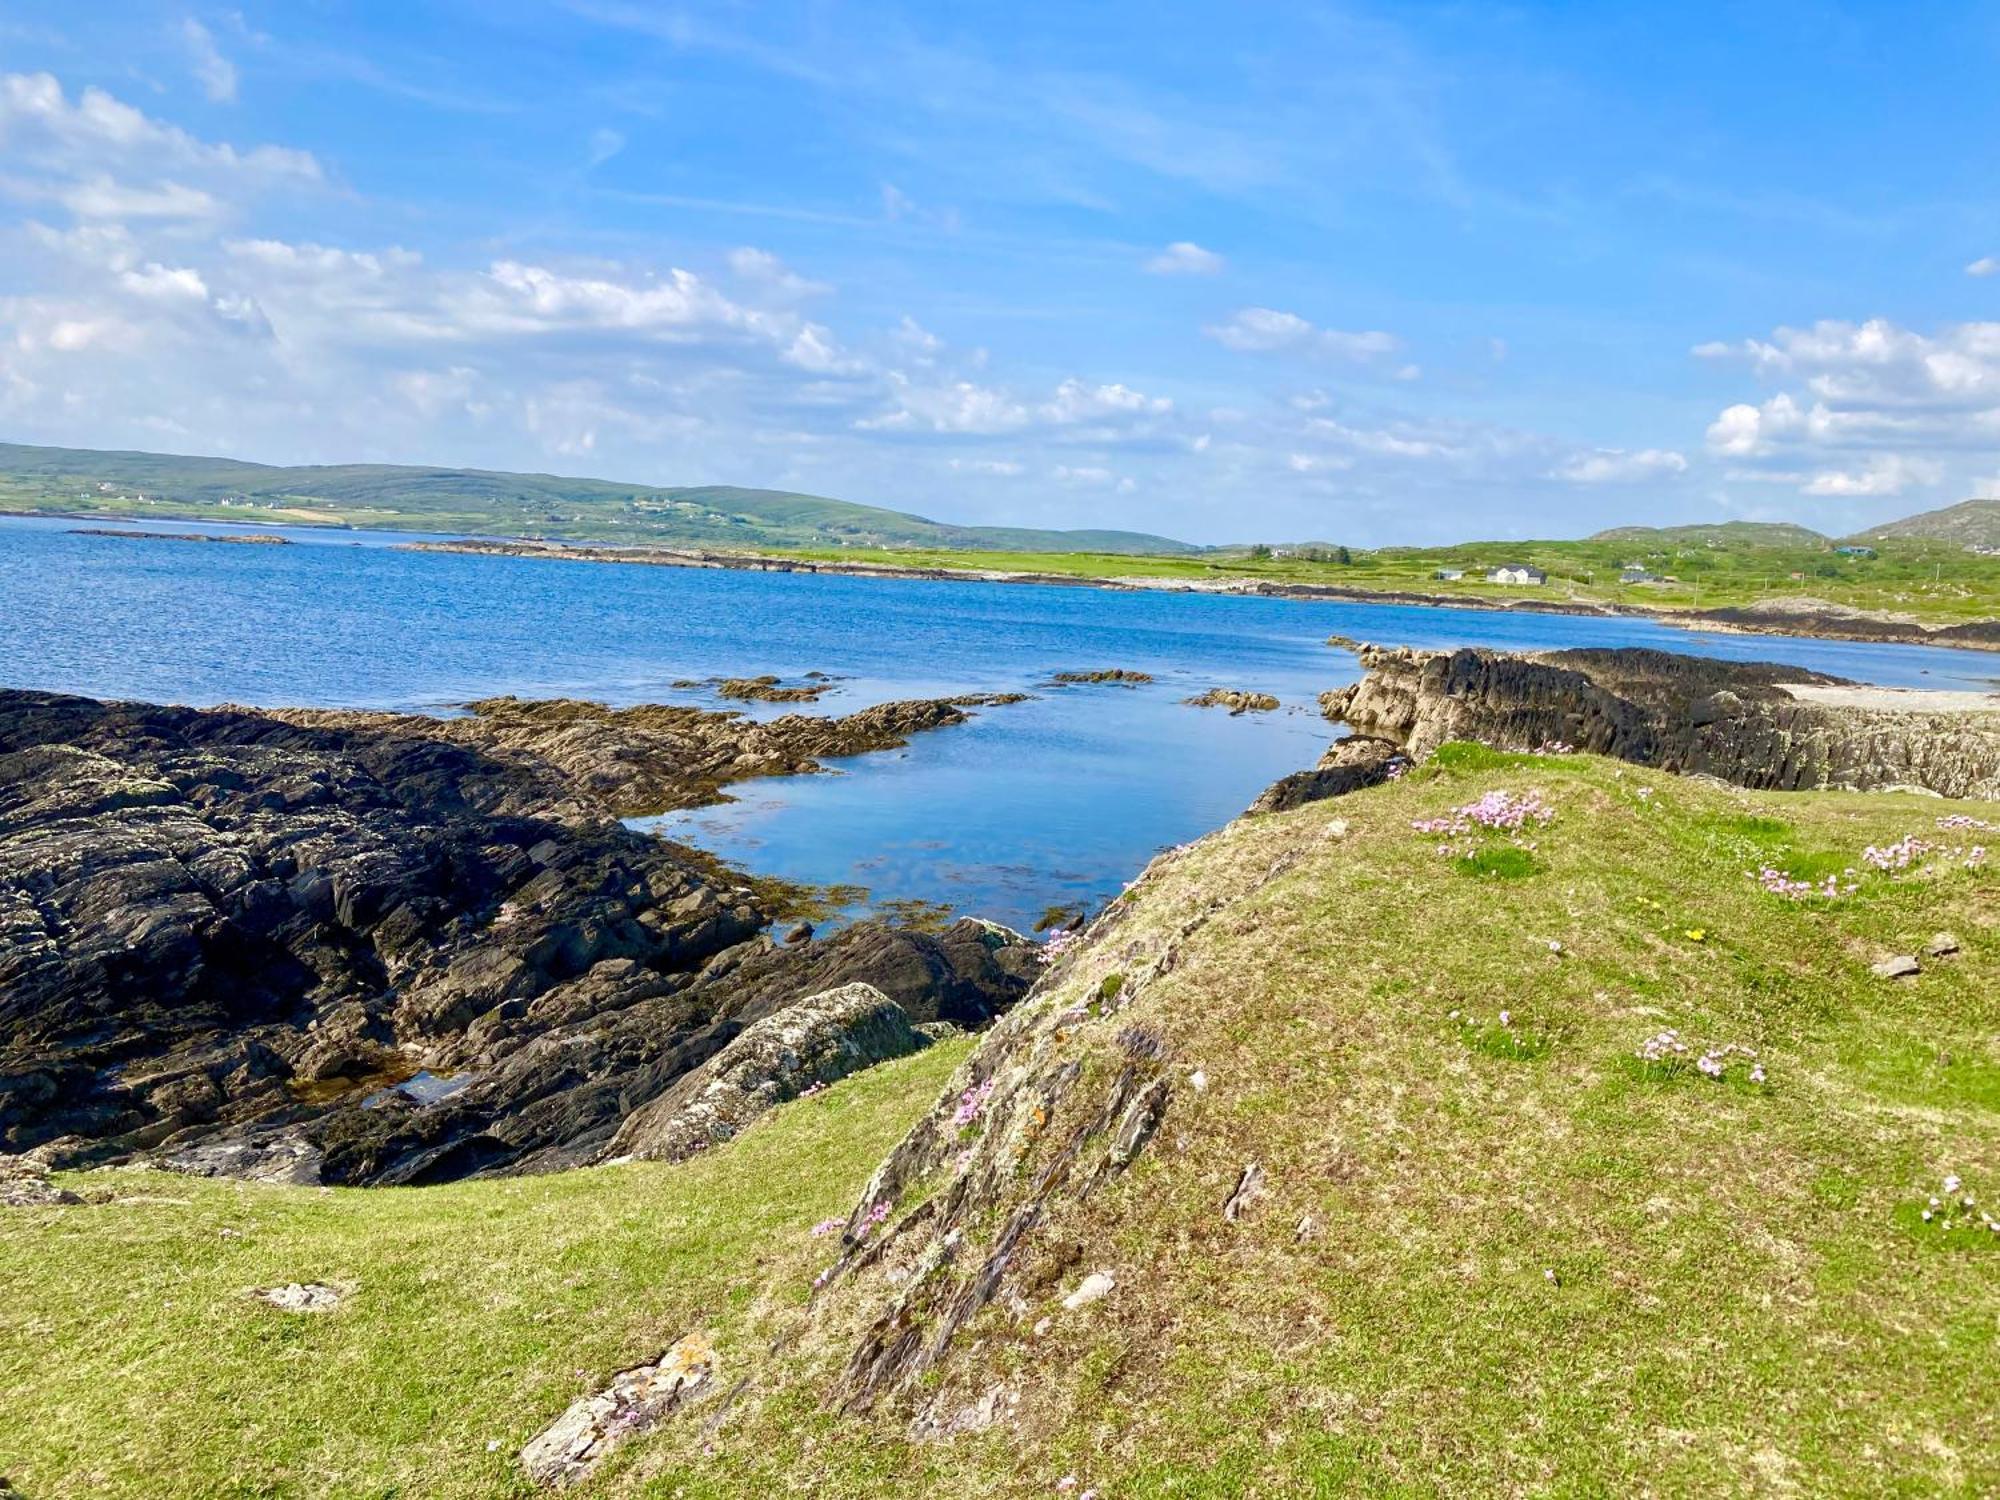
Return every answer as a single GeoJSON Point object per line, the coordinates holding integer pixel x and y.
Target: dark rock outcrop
{"type": "Point", "coordinates": [652, 757]}
{"type": "Point", "coordinates": [227, 936]}
{"type": "Point", "coordinates": [1122, 675]}
{"type": "Point", "coordinates": [1349, 765]}
{"type": "Point", "coordinates": [1694, 715]}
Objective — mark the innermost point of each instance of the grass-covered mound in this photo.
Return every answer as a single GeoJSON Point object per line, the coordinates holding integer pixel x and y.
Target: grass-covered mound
{"type": "Point", "coordinates": [133, 1362]}
{"type": "Point", "coordinates": [1503, 1234]}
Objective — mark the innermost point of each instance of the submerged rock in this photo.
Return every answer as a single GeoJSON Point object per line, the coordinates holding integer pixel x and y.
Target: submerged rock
{"type": "Point", "coordinates": [1108, 674]}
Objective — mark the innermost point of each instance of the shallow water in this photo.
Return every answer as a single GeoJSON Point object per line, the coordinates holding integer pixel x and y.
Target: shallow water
{"type": "Point", "coordinates": [1056, 800]}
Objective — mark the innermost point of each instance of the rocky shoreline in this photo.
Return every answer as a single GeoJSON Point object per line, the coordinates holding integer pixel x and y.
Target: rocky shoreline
{"type": "Point", "coordinates": [1810, 618]}
{"type": "Point", "coordinates": [1737, 721]}
{"type": "Point", "coordinates": [370, 948]}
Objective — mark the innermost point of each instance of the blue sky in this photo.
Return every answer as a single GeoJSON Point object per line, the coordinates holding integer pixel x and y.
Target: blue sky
{"type": "Point", "coordinates": [1372, 274]}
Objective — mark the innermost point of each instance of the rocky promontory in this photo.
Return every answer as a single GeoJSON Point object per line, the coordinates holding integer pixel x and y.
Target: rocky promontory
{"type": "Point", "coordinates": [1757, 724]}
{"type": "Point", "coordinates": [652, 757]}
{"type": "Point", "coordinates": [385, 948]}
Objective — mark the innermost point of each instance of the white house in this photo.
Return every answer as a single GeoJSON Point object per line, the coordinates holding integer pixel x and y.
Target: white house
{"type": "Point", "coordinates": [1517, 573]}
{"type": "Point", "coordinates": [1449, 575]}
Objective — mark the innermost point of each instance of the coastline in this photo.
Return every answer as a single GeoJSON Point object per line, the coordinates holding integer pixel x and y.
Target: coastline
{"type": "Point", "coordinates": [1831, 622]}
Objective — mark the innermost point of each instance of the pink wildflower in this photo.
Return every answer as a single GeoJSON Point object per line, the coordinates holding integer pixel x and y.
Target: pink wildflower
{"type": "Point", "coordinates": [970, 1103]}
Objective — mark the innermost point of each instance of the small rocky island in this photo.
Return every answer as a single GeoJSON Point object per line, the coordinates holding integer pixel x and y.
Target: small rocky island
{"type": "Point", "coordinates": [240, 538]}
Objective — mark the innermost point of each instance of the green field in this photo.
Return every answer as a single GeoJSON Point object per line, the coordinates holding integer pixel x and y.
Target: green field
{"type": "Point", "coordinates": [1935, 582]}
{"type": "Point", "coordinates": [1498, 1251]}
{"type": "Point", "coordinates": [1933, 579]}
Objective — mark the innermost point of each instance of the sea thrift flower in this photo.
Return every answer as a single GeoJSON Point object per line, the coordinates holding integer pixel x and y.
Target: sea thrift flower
{"type": "Point", "coordinates": [826, 1227]}
{"type": "Point", "coordinates": [1906, 851]}
{"type": "Point", "coordinates": [970, 1103]}
{"type": "Point", "coordinates": [1499, 812]}
{"type": "Point", "coordinates": [873, 1217]}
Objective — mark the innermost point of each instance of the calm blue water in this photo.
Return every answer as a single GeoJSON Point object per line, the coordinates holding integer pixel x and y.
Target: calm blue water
{"type": "Point", "coordinates": [1038, 803]}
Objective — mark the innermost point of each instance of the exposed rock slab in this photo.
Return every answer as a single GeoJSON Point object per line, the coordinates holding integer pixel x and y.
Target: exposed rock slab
{"type": "Point", "coordinates": [812, 1042]}
{"type": "Point", "coordinates": [569, 1448]}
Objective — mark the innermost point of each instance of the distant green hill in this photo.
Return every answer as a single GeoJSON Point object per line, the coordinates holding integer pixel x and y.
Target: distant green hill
{"type": "Point", "coordinates": [482, 502]}
{"type": "Point", "coordinates": [1739, 533]}
{"type": "Point", "coordinates": [1970, 523]}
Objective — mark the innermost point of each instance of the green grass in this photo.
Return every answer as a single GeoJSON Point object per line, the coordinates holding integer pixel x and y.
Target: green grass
{"type": "Point", "coordinates": [132, 1363]}
{"type": "Point", "coordinates": [1538, 1264]}
{"type": "Point", "coordinates": [1938, 582]}
{"type": "Point", "coordinates": [1532, 1263]}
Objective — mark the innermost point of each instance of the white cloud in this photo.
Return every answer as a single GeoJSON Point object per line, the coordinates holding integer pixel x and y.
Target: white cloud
{"type": "Point", "coordinates": [1265, 330]}
{"type": "Point", "coordinates": [1185, 258]}
{"type": "Point", "coordinates": [1869, 409]}
{"type": "Point", "coordinates": [603, 145]}
{"type": "Point", "coordinates": [1106, 413]}
{"type": "Point", "coordinates": [41, 125]}
{"type": "Point", "coordinates": [99, 197]}
{"type": "Point", "coordinates": [1986, 265]}
{"type": "Point", "coordinates": [1882, 474]}
{"type": "Point", "coordinates": [1075, 401]}
{"type": "Point", "coordinates": [957, 406]}
{"type": "Point", "coordinates": [1619, 465]}
{"type": "Point", "coordinates": [1086, 475]}
{"type": "Point", "coordinates": [1005, 468]}
{"type": "Point", "coordinates": [215, 73]}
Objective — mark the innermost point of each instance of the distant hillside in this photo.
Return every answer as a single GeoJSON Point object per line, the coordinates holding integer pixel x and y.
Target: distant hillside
{"type": "Point", "coordinates": [1739, 533]}
{"type": "Point", "coordinates": [481, 502]}
{"type": "Point", "coordinates": [1970, 523]}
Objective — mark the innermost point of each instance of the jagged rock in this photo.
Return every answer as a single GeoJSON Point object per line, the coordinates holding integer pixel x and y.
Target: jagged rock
{"type": "Point", "coordinates": [817, 1040]}
{"type": "Point", "coordinates": [1731, 720]}
{"type": "Point", "coordinates": [1112, 674]}
{"type": "Point", "coordinates": [1236, 700]}
{"type": "Point", "coordinates": [1249, 1188]}
{"type": "Point", "coordinates": [224, 933]}
{"type": "Point", "coordinates": [1350, 764]}
{"type": "Point", "coordinates": [1901, 966]}
{"type": "Point", "coordinates": [588, 758]}
{"type": "Point", "coordinates": [570, 1447]}
{"type": "Point", "coordinates": [34, 1192]}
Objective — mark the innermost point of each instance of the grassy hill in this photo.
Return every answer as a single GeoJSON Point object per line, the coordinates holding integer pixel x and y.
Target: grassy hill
{"type": "Point", "coordinates": [479, 502]}
{"type": "Point", "coordinates": [1970, 523]}
{"type": "Point", "coordinates": [1489, 1249]}
{"type": "Point", "coordinates": [1747, 533]}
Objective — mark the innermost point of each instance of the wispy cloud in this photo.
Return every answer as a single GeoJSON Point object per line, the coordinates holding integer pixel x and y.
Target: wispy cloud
{"type": "Point", "coordinates": [1185, 258]}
